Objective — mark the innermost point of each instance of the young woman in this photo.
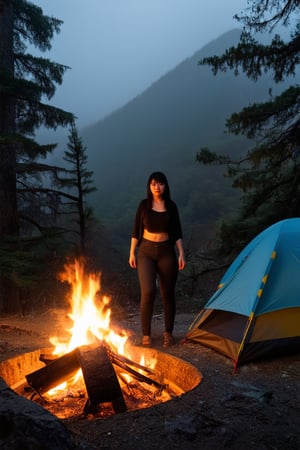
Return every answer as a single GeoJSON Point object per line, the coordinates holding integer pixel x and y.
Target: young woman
{"type": "Point", "coordinates": [156, 233]}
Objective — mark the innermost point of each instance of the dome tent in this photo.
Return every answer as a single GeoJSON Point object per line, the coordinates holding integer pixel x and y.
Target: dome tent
{"type": "Point", "coordinates": [256, 310]}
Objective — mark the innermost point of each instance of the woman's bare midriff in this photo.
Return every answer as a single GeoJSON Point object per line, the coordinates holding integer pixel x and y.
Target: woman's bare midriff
{"type": "Point", "coordinates": [155, 237]}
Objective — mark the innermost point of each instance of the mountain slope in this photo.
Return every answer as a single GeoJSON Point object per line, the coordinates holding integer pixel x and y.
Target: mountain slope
{"type": "Point", "coordinates": [162, 129]}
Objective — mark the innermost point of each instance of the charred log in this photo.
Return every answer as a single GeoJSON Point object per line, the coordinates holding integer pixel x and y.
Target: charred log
{"type": "Point", "coordinates": [54, 373]}
{"type": "Point", "coordinates": [100, 379]}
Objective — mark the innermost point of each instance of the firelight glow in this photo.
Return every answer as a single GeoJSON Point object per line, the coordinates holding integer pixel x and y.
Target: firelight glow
{"type": "Point", "coordinates": [90, 314]}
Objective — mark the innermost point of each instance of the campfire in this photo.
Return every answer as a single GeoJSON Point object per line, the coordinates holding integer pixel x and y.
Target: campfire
{"type": "Point", "coordinates": [96, 372]}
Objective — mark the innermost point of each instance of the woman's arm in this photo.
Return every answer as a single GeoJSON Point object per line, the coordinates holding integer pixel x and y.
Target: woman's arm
{"type": "Point", "coordinates": [181, 256]}
{"type": "Point", "coordinates": [132, 257]}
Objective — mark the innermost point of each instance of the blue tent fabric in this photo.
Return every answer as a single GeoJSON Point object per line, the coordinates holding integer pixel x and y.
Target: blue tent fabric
{"type": "Point", "coordinates": [261, 288]}
{"type": "Point", "coordinates": [244, 278]}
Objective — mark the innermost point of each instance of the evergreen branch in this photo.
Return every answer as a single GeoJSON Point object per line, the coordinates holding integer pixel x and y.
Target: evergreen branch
{"type": "Point", "coordinates": [256, 17]}
{"type": "Point", "coordinates": [33, 114]}
{"type": "Point", "coordinates": [44, 73]}
{"type": "Point", "coordinates": [48, 191]}
{"type": "Point", "coordinates": [254, 58]}
{"type": "Point", "coordinates": [32, 25]}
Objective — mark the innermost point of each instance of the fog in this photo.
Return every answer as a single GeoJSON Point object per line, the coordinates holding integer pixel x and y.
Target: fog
{"type": "Point", "coordinates": [118, 48]}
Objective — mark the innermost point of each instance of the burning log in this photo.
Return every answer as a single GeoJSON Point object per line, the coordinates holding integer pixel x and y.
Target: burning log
{"type": "Point", "coordinates": [101, 382]}
{"type": "Point", "coordinates": [124, 364]}
{"type": "Point", "coordinates": [47, 358]}
{"type": "Point", "coordinates": [101, 369]}
{"type": "Point", "coordinates": [54, 373]}
{"type": "Point", "coordinates": [115, 358]}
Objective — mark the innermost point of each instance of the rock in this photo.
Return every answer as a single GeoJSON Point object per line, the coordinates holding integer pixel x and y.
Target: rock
{"type": "Point", "coordinates": [25, 425]}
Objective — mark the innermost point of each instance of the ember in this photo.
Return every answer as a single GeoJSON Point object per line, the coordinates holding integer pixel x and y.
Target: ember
{"type": "Point", "coordinates": [107, 379]}
{"type": "Point", "coordinates": [96, 372]}
{"type": "Point", "coordinates": [179, 376]}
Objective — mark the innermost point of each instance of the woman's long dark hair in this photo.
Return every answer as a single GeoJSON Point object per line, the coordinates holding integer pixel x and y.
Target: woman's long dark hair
{"type": "Point", "coordinates": [160, 177]}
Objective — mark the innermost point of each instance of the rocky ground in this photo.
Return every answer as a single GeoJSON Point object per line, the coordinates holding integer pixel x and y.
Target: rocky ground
{"type": "Point", "coordinates": [256, 408]}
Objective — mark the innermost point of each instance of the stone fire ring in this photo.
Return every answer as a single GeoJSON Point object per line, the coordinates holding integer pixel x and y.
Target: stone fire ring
{"type": "Point", "coordinates": [183, 374]}
{"type": "Point", "coordinates": [26, 424]}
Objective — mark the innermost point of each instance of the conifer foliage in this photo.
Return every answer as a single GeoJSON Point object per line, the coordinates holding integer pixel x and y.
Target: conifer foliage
{"type": "Point", "coordinates": [27, 83]}
{"type": "Point", "coordinates": [78, 180]}
{"type": "Point", "coordinates": [268, 173]}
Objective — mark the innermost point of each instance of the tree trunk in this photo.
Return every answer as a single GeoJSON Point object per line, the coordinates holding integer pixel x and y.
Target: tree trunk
{"type": "Point", "coordinates": [8, 190]}
{"type": "Point", "coordinates": [9, 226]}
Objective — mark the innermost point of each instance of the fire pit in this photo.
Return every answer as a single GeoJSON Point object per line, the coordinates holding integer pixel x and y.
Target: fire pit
{"type": "Point", "coordinates": [94, 370]}
{"type": "Point", "coordinates": [176, 375]}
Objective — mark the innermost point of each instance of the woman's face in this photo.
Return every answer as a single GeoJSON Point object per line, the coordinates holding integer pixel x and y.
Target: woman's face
{"type": "Point", "coordinates": [157, 188]}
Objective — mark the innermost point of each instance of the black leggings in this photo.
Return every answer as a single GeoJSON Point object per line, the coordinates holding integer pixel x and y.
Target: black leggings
{"type": "Point", "coordinates": [157, 258]}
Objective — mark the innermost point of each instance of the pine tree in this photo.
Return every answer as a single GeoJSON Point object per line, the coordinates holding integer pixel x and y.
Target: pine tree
{"type": "Point", "coordinates": [269, 173]}
{"type": "Point", "coordinates": [25, 81]}
{"type": "Point", "coordinates": [78, 180]}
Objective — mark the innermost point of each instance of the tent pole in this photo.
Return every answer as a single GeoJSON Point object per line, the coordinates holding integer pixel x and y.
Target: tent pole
{"type": "Point", "coordinates": [250, 319]}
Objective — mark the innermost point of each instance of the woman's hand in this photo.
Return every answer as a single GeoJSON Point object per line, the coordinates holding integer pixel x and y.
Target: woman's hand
{"type": "Point", "coordinates": [181, 262]}
{"type": "Point", "coordinates": [181, 257]}
{"type": "Point", "coordinates": [132, 261]}
{"type": "Point", "coordinates": [132, 257]}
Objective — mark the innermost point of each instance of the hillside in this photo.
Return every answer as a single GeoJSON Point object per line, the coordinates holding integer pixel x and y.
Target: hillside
{"type": "Point", "coordinates": [163, 129]}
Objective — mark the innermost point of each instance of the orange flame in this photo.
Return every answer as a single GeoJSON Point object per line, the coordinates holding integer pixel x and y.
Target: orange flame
{"type": "Point", "coordinates": [90, 314]}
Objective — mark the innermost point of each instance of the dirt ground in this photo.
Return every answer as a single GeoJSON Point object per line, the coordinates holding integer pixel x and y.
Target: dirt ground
{"type": "Point", "coordinates": [256, 408]}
